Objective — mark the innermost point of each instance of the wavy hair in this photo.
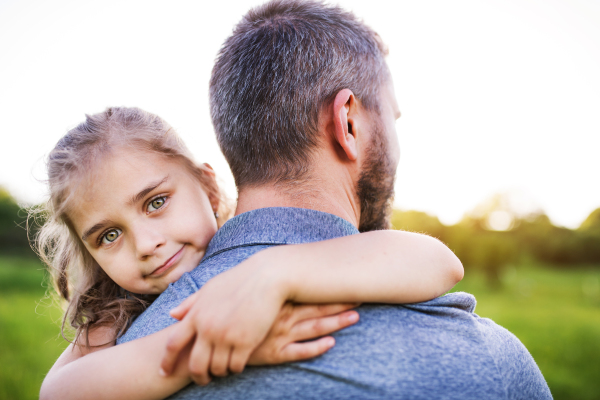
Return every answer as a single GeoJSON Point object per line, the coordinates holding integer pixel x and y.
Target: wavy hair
{"type": "Point", "coordinates": [93, 299]}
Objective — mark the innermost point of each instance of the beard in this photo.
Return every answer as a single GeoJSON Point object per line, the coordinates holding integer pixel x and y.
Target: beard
{"type": "Point", "coordinates": [375, 187]}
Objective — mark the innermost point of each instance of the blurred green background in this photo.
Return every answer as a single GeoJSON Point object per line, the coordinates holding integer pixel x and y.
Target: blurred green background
{"type": "Point", "coordinates": [539, 281]}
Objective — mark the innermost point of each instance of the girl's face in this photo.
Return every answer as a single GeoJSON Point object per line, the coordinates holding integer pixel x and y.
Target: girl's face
{"type": "Point", "coordinates": [145, 219]}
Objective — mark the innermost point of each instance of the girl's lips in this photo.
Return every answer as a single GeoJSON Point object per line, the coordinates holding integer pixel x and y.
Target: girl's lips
{"type": "Point", "coordinates": [168, 264]}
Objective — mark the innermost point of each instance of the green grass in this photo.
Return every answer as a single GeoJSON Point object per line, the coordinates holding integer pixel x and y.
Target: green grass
{"type": "Point", "coordinates": [555, 313]}
{"type": "Point", "coordinates": [29, 329]}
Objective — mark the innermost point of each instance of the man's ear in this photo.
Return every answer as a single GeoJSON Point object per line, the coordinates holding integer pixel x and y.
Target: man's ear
{"type": "Point", "coordinates": [344, 105]}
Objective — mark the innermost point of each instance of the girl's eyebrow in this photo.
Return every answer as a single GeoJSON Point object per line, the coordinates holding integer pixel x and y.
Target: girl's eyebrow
{"type": "Point", "coordinates": [147, 190]}
{"type": "Point", "coordinates": [94, 228]}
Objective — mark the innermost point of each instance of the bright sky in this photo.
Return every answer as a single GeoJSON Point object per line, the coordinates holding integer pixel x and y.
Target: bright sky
{"type": "Point", "coordinates": [496, 95]}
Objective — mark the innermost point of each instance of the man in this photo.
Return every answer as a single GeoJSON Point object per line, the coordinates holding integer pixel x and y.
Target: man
{"type": "Point", "coordinates": [304, 110]}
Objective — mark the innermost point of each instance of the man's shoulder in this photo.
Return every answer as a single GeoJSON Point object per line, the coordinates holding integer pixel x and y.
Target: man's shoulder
{"type": "Point", "coordinates": [520, 372]}
{"type": "Point", "coordinates": [501, 343]}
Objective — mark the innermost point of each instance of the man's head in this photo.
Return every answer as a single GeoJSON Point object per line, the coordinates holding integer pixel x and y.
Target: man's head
{"type": "Point", "coordinates": [284, 64]}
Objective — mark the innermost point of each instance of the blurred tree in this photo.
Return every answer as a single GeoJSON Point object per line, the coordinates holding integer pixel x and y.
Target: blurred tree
{"type": "Point", "coordinates": [13, 236]}
{"type": "Point", "coordinates": [483, 249]}
{"type": "Point", "coordinates": [499, 250]}
{"type": "Point", "coordinates": [592, 222]}
{"type": "Point", "coordinates": [589, 237]}
{"type": "Point", "coordinates": [418, 221]}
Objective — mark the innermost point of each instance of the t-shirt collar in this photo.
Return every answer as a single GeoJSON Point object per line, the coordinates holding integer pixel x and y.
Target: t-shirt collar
{"type": "Point", "coordinates": [278, 225]}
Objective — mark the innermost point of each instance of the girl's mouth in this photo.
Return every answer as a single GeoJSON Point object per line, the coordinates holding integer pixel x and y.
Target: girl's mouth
{"type": "Point", "coordinates": [168, 264]}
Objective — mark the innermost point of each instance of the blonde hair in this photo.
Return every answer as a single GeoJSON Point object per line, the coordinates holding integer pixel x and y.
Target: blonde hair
{"type": "Point", "coordinates": [93, 298]}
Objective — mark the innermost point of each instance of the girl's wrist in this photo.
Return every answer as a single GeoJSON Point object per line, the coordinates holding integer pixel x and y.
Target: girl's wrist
{"type": "Point", "coordinates": [277, 268]}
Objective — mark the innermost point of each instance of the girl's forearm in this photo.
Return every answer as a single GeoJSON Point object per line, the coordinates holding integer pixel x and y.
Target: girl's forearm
{"type": "Point", "coordinates": [381, 267]}
{"type": "Point", "coordinates": [127, 371]}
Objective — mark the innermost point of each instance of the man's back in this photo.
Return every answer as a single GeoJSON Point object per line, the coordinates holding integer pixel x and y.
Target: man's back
{"type": "Point", "coordinates": [435, 349]}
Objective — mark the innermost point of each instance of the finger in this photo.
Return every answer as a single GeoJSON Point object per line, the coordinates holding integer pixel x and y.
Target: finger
{"type": "Point", "coordinates": [306, 311]}
{"type": "Point", "coordinates": [181, 310]}
{"type": "Point", "coordinates": [220, 360]}
{"type": "Point", "coordinates": [315, 327]}
{"type": "Point", "coordinates": [200, 359]}
{"type": "Point", "coordinates": [182, 335]}
{"type": "Point", "coordinates": [239, 359]}
{"type": "Point", "coordinates": [306, 350]}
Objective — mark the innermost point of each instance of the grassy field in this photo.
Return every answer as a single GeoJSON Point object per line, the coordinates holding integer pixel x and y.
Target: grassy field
{"type": "Point", "coordinates": [555, 313]}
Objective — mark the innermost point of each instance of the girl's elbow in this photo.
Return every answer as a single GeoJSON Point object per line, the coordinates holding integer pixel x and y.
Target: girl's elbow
{"type": "Point", "coordinates": [451, 265]}
{"type": "Point", "coordinates": [457, 271]}
{"type": "Point", "coordinates": [51, 389]}
{"type": "Point", "coordinates": [450, 262]}
{"type": "Point", "coordinates": [45, 391]}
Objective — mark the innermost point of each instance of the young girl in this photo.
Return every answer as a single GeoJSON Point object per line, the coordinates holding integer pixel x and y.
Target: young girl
{"type": "Point", "coordinates": [130, 212]}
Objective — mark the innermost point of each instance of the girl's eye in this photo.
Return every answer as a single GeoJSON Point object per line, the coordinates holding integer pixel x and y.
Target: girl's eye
{"type": "Point", "coordinates": [111, 236]}
{"type": "Point", "coordinates": [156, 204]}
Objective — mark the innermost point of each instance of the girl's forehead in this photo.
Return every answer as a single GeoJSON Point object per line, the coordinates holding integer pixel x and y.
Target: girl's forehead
{"type": "Point", "coordinates": [127, 164]}
{"type": "Point", "coordinates": [125, 171]}
{"type": "Point", "coordinates": [116, 179]}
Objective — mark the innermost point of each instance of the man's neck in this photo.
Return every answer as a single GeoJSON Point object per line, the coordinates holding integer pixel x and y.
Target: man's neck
{"type": "Point", "coordinates": [338, 200]}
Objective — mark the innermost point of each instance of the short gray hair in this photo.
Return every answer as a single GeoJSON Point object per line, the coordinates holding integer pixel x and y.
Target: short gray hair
{"type": "Point", "coordinates": [283, 63]}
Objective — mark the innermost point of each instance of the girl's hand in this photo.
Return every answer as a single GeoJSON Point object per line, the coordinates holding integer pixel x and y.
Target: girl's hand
{"type": "Point", "coordinates": [294, 323]}
{"type": "Point", "coordinates": [230, 316]}
{"type": "Point", "coordinates": [298, 323]}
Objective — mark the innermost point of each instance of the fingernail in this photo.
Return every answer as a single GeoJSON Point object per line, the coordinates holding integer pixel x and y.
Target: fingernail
{"type": "Point", "coordinates": [330, 342]}
{"type": "Point", "coordinates": [353, 317]}
{"type": "Point", "coordinates": [162, 372]}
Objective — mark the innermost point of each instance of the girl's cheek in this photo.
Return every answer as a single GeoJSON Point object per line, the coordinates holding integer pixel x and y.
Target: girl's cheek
{"type": "Point", "coordinates": [208, 237]}
{"type": "Point", "coordinates": [116, 254]}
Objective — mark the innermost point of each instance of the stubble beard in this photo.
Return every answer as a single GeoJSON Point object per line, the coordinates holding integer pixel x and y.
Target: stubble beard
{"type": "Point", "coordinates": [375, 186]}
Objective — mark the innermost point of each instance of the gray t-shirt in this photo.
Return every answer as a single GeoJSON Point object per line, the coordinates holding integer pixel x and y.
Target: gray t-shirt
{"type": "Point", "coordinates": [437, 349]}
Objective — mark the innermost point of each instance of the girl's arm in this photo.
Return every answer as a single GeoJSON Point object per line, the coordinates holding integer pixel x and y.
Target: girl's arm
{"type": "Point", "coordinates": [131, 370]}
{"type": "Point", "coordinates": [231, 312]}
{"type": "Point", "coordinates": [112, 372]}
{"type": "Point", "coordinates": [376, 267]}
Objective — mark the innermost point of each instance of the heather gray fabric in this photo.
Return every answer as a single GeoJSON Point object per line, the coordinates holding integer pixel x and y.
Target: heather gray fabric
{"type": "Point", "coordinates": [437, 349]}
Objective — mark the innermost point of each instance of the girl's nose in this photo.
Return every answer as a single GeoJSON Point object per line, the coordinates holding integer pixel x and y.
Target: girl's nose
{"type": "Point", "coordinates": [147, 240]}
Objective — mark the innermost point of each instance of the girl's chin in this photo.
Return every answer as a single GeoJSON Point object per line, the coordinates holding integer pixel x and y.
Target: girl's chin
{"type": "Point", "coordinates": [177, 273]}
{"type": "Point", "coordinates": [171, 276]}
